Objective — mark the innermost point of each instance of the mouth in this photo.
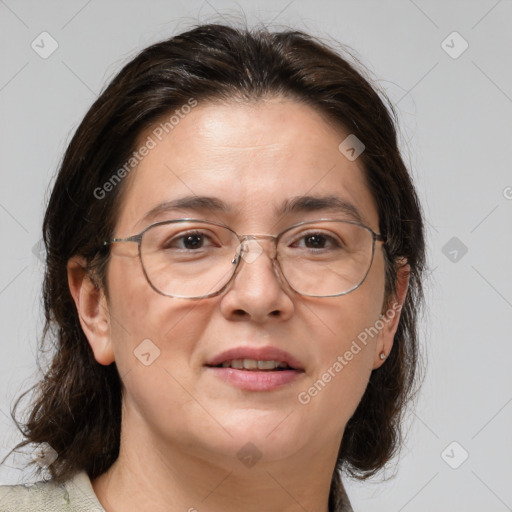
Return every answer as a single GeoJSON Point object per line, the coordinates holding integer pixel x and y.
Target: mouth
{"type": "Point", "coordinates": [254, 365]}
{"type": "Point", "coordinates": [256, 369]}
{"type": "Point", "coordinates": [256, 359]}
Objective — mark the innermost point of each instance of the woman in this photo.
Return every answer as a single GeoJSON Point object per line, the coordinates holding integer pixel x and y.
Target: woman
{"type": "Point", "coordinates": [234, 261]}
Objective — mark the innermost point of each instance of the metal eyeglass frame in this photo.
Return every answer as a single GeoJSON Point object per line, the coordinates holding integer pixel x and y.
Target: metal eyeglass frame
{"type": "Point", "coordinates": [376, 237]}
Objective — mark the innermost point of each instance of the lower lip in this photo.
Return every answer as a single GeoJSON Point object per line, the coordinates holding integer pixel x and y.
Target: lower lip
{"type": "Point", "coordinates": [253, 380]}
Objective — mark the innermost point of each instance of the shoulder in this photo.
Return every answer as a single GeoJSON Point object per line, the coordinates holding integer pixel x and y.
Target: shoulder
{"type": "Point", "coordinates": [73, 495]}
{"type": "Point", "coordinates": [344, 503]}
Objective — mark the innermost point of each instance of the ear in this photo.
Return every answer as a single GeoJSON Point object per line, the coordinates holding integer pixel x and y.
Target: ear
{"type": "Point", "coordinates": [91, 304]}
{"type": "Point", "coordinates": [391, 317]}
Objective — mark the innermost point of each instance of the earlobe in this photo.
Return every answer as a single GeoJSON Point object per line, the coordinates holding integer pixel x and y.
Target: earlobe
{"type": "Point", "coordinates": [391, 317]}
{"type": "Point", "coordinates": [92, 308]}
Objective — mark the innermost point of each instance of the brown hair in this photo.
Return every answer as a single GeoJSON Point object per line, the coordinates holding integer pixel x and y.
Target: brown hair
{"type": "Point", "coordinates": [76, 407]}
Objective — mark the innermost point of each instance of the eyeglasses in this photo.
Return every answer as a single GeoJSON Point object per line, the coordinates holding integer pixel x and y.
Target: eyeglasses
{"type": "Point", "coordinates": [194, 259]}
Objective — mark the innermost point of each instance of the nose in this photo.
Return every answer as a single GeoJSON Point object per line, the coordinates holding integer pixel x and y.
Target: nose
{"type": "Point", "coordinates": [258, 292]}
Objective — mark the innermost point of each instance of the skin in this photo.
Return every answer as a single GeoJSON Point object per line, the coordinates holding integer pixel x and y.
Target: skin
{"type": "Point", "coordinates": [182, 427]}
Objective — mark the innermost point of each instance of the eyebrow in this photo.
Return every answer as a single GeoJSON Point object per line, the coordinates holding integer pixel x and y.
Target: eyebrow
{"type": "Point", "coordinates": [299, 204]}
{"type": "Point", "coordinates": [305, 204]}
{"type": "Point", "coordinates": [198, 203]}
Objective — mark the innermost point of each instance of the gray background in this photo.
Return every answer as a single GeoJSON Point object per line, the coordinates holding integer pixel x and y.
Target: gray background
{"type": "Point", "coordinates": [456, 135]}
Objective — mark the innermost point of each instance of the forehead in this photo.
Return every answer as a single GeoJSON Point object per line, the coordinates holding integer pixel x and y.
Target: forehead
{"type": "Point", "coordinates": [253, 158]}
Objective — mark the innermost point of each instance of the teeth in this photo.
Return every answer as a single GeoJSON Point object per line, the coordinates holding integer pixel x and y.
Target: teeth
{"type": "Point", "coordinates": [250, 364]}
{"type": "Point", "coordinates": [266, 365]}
{"type": "Point", "coordinates": [253, 364]}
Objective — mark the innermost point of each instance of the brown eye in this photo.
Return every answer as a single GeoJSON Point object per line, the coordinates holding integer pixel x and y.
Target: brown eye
{"type": "Point", "coordinates": [317, 241]}
{"type": "Point", "coordinates": [193, 241]}
{"type": "Point", "coordinates": [188, 241]}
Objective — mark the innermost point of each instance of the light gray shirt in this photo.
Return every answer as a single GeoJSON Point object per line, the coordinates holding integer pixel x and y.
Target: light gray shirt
{"type": "Point", "coordinates": [74, 495]}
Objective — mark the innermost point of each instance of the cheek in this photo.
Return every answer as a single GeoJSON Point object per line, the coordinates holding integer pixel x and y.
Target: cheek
{"type": "Point", "coordinates": [346, 331]}
{"type": "Point", "coordinates": [345, 340]}
{"type": "Point", "coordinates": [146, 322]}
{"type": "Point", "coordinates": [335, 388]}
{"type": "Point", "coordinates": [154, 339]}
{"type": "Point", "coordinates": [342, 320]}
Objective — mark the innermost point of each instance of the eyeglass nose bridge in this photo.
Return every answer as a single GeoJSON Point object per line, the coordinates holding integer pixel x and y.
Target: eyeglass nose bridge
{"type": "Point", "coordinates": [249, 249]}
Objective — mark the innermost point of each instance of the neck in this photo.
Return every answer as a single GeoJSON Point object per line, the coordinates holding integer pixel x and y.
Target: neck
{"type": "Point", "coordinates": [172, 477]}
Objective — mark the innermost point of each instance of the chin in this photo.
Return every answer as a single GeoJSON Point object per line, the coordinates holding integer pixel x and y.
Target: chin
{"type": "Point", "coordinates": [271, 435]}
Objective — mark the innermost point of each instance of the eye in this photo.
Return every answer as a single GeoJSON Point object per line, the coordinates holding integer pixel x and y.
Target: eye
{"type": "Point", "coordinates": [317, 240]}
{"type": "Point", "coordinates": [189, 241]}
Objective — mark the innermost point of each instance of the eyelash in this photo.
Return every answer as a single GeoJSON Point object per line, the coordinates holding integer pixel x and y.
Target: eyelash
{"type": "Point", "coordinates": [181, 237]}
{"type": "Point", "coordinates": [327, 237]}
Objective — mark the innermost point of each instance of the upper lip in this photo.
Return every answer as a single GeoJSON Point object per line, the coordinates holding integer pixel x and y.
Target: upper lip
{"type": "Point", "coordinates": [257, 353]}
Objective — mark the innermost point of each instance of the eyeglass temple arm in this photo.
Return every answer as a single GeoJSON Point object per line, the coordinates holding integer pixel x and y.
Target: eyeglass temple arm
{"type": "Point", "coordinates": [134, 238]}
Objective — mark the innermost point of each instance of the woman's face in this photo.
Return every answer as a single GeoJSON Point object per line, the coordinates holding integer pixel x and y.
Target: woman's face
{"type": "Point", "coordinates": [253, 159]}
